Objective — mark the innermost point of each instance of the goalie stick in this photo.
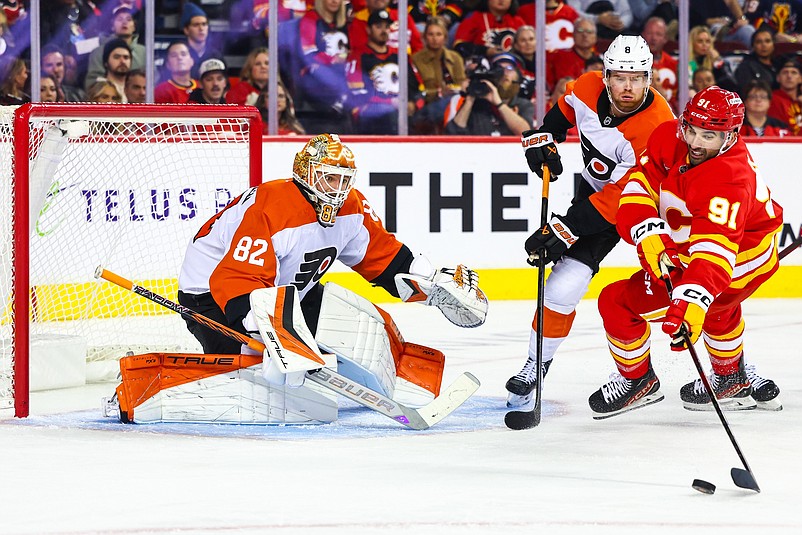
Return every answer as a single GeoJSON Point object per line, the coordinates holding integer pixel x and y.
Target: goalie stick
{"type": "Point", "coordinates": [423, 418]}
{"type": "Point", "coordinates": [742, 477]}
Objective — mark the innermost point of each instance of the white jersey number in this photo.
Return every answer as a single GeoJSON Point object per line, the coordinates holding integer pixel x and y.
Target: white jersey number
{"type": "Point", "coordinates": [250, 250]}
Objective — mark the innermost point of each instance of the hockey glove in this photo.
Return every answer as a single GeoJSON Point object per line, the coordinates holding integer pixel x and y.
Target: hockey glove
{"type": "Point", "coordinates": [552, 240]}
{"type": "Point", "coordinates": [454, 291]}
{"type": "Point", "coordinates": [540, 150]}
{"type": "Point", "coordinates": [686, 314]}
{"type": "Point", "coordinates": [655, 246]}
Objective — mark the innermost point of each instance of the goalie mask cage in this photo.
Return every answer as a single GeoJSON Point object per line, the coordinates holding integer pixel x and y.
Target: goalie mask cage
{"type": "Point", "coordinates": [123, 186]}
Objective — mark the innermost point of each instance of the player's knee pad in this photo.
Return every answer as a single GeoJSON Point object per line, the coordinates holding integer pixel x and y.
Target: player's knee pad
{"type": "Point", "coordinates": [371, 350]}
{"type": "Point", "coordinates": [567, 284]}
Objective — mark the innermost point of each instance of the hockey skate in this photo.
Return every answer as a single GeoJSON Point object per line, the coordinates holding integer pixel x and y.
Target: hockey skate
{"type": "Point", "coordinates": [733, 392]}
{"type": "Point", "coordinates": [764, 391]}
{"type": "Point", "coordinates": [521, 386]}
{"type": "Point", "coordinates": [621, 395]}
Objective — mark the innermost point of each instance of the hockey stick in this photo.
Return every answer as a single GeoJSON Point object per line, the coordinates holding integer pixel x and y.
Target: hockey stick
{"type": "Point", "coordinates": [742, 478]}
{"type": "Point", "coordinates": [423, 418]}
{"type": "Point", "coordinates": [527, 419]}
{"type": "Point", "coordinates": [791, 247]}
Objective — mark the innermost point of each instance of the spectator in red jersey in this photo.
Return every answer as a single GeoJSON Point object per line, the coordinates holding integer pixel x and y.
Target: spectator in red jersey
{"type": "Point", "coordinates": [135, 86]}
{"type": "Point", "coordinates": [760, 64]}
{"type": "Point", "coordinates": [570, 63]}
{"type": "Point", "coordinates": [324, 48]}
{"type": "Point", "coordinates": [358, 31]}
{"type": "Point", "coordinates": [490, 30]}
{"type": "Point", "coordinates": [757, 123]}
{"type": "Point", "coordinates": [176, 89]}
{"type": "Point", "coordinates": [374, 83]}
{"type": "Point", "coordinates": [665, 68]}
{"type": "Point", "coordinates": [786, 102]}
{"type": "Point", "coordinates": [253, 78]}
{"type": "Point", "coordinates": [560, 19]}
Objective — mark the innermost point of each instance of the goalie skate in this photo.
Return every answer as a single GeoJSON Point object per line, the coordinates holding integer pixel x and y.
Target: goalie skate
{"type": "Point", "coordinates": [110, 407]}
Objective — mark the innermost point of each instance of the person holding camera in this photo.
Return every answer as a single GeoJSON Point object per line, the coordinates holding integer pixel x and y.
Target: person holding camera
{"type": "Point", "coordinates": [615, 111]}
{"type": "Point", "coordinates": [491, 106]}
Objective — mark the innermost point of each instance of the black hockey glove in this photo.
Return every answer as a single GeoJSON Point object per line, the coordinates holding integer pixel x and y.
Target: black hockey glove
{"type": "Point", "coordinates": [540, 150]}
{"type": "Point", "coordinates": [553, 240]}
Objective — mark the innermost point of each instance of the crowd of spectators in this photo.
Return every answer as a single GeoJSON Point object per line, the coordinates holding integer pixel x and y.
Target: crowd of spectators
{"type": "Point", "coordinates": [471, 63]}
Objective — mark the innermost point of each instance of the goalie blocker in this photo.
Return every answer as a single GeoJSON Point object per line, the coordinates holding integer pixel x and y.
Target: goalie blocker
{"type": "Point", "coordinates": [358, 339]}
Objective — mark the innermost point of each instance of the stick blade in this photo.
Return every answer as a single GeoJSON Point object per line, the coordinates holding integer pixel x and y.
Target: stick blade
{"type": "Point", "coordinates": [519, 420]}
{"type": "Point", "coordinates": [744, 479]}
{"type": "Point", "coordinates": [449, 399]}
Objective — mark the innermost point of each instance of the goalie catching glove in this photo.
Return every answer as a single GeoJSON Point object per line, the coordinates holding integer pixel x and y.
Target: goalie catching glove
{"type": "Point", "coordinates": [454, 291]}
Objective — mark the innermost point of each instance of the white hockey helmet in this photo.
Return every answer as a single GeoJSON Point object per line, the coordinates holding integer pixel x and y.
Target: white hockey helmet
{"type": "Point", "coordinates": [325, 169]}
{"type": "Point", "coordinates": [629, 53]}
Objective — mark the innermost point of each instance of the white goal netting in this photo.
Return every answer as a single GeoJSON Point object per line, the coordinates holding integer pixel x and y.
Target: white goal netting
{"type": "Point", "coordinates": [125, 187]}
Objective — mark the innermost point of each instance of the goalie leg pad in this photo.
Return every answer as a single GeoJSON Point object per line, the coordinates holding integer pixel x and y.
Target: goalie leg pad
{"type": "Point", "coordinates": [191, 388]}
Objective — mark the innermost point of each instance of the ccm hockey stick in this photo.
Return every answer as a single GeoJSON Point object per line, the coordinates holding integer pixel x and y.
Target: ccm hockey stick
{"type": "Point", "coordinates": [423, 418]}
{"type": "Point", "coordinates": [742, 477]}
{"type": "Point", "coordinates": [527, 419]}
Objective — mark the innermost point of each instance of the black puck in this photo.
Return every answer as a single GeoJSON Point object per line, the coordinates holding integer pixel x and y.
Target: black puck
{"type": "Point", "coordinates": [703, 486]}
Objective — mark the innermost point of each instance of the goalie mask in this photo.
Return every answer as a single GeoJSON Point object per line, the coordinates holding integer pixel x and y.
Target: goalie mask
{"type": "Point", "coordinates": [325, 170]}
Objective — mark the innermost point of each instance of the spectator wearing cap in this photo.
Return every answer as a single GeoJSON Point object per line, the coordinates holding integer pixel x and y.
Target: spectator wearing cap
{"type": "Point", "coordinates": [195, 25]}
{"type": "Point", "coordinates": [786, 102]}
{"type": "Point", "coordinates": [374, 83]}
{"type": "Point", "coordinates": [177, 88]}
{"type": "Point", "coordinates": [212, 81]}
{"type": "Point", "coordinates": [135, 86]}
{"type": "Point", "coordinates": [117, 61]}
{"type": "Point", "coordinates": [357, 30]}
{"type": "Point", "coordinates": [757, 123]}
{"type": "Point", "coordinates": [122, 27]}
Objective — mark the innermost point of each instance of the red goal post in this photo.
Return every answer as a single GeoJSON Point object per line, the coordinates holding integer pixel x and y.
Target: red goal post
{"type": "Point", "coordinates": [126, 186]}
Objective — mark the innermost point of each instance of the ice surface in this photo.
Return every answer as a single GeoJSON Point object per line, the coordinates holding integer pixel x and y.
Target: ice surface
{"type": "Point", "coordinates": [68, 470]}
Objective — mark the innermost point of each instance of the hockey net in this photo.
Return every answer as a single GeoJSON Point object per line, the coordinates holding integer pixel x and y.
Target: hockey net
{"type": "Point", "coordinates": [122, 186]}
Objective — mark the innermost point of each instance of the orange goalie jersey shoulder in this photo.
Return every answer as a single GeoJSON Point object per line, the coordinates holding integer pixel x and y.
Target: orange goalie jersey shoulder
{"type": "Point", "coordinates": [269, 236]}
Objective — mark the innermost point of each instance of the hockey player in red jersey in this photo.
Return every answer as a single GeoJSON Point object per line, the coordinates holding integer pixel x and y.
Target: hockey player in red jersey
{"type": "Point", "coordinates": [696, 206]}
{"type": "Point", "coordinates": [614, 113]}
{"type": "Point", "coordinates": [289, 233]}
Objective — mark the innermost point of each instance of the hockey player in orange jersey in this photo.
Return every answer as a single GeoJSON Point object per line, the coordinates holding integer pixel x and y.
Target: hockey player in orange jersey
{"type": "Point", "coordinates": [290, 232]}
{"type": "Point", "coordinates": [614, 113]}
{"type": "Point", "coordinates": [695, 205]}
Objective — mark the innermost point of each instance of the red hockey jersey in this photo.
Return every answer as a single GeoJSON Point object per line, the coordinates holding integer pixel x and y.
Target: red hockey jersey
{"type": "Point", "coordinates": [721, 213]}
{"type": "Point", "coordinates": [269, 236]}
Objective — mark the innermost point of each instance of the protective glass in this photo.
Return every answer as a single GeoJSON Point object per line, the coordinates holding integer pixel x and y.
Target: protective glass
{"type": "Point", "coordinates": [702, 138]}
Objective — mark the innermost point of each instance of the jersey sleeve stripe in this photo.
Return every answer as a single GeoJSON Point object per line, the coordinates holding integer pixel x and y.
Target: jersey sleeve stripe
{"type": "Point", "coordinates": [716, 238]}
{"type": "Point", "coordinates": [713, 259]}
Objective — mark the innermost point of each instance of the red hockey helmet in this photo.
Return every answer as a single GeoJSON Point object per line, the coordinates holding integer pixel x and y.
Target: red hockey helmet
{"type": "Point", "coordinates": [714, 108]}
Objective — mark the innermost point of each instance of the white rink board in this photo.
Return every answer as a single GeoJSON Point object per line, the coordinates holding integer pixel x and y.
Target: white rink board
{"type": "Point", "coordinates": [482, 244]}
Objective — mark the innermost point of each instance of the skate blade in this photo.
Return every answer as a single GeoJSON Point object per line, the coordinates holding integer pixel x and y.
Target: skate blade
{"type": "Point", "coordinates": [642, 402]}
{"type": "Point", "coordinates": [771, 405]}
{"type": "Point", "coordinates": [731, 405]}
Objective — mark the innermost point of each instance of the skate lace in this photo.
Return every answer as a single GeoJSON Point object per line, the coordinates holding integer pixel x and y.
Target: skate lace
{"type": "Point", "coordinates": [756, 380]}
{"type": "Point", "coordinates": [528, 372]}
{"type": "Point", "coordinates": [616, 387]}
{"type": "Point", "coordinates": [699, 387]}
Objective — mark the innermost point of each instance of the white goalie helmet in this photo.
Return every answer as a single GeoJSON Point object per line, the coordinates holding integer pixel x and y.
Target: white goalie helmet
{"type": "Point", "coordinates": [325, 169]}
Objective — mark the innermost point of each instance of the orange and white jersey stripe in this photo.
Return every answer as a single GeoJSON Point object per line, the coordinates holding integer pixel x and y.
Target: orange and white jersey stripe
{"type": "Point", "coordinates": [611, 145]}
{"type": "Point", "coordinates": [269, 236]}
